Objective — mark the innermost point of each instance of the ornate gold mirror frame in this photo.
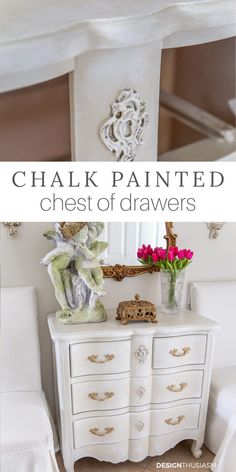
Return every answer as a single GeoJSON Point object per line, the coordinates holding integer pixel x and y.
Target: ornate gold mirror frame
{"type": "Point", "coordinates": [119, 272]}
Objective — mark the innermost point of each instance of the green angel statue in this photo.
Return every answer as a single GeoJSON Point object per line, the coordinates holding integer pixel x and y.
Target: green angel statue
{"type": "Point", "coordinates": [75, 271]}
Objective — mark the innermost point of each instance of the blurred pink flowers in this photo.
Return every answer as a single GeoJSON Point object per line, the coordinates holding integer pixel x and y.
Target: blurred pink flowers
{"type": "Point", "coordinates": [175, 259]}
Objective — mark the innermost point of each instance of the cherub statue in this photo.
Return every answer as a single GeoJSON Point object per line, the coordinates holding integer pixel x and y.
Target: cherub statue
{"type": "Point", "coordinates": [75, 271]}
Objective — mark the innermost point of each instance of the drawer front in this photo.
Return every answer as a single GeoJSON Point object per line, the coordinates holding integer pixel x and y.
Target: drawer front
{"type": "Point", "coordinates": [178, 386]}
{"type": "Point", "coordinates": [101, 430]}
{"type": "Point", "coordinates": [100, 395]}
{"type": "Point", "coordinates": [179, 350]}
{"type": "Point", "coordinates": [170, 420]}
{"type": "Point", "coordinates": [99, 358]}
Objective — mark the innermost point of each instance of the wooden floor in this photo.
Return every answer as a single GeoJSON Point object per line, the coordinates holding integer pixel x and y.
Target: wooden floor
{"type": "Point", "coordinates": [180, 454]}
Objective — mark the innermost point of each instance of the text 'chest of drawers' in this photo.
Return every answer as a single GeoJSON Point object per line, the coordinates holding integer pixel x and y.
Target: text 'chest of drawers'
{"type": "Point", "coordinates": [126, 392]}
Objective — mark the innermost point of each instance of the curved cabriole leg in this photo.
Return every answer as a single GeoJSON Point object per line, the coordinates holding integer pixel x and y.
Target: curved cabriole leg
{"type": "Point", "coordinates": [196, 449]}
{"type": "Point", "coordinates": [69, 465]}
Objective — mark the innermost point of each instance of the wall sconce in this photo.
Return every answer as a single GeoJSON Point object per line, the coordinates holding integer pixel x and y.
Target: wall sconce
{"type": "Point", "coordinates": [214, 229]}
{"type": "Point", "coordinates": [12, 229]}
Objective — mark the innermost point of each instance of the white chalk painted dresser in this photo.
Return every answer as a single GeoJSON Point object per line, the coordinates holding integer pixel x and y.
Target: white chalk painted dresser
{"type": "Point", "coordinates": [126, 392]}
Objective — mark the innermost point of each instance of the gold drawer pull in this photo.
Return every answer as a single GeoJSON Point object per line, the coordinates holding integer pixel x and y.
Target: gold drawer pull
{"type": "Point", "coordinates": [107, 358]}
{"type": "Point", "coordinates": [173, 422]}
{"type": "Point", "coordinates": [107, 430]}
{"type": "Point", "coordinates": [106, 396]}
{"type": "Point", "coordinates": [174, 388]}
{"type": "Point", "coordinates": [175, 353]}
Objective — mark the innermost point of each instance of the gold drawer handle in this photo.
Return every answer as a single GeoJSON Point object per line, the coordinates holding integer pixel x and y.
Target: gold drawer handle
{"type": "Point", "coordinates": [107, 430]}
{"type": "Point", "coordinates": [173, 422]}
{"type": "Point", "coordinates": [107, 358]}
{"type": "Point", "coordinates": [176, 353]}
{"type": "Point", "coordinates": [174, 388]}
{"type": "Point", "coordinates": [106, 396]}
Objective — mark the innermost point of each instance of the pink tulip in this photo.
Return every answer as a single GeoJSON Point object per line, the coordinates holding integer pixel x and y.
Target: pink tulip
{"type": "Point", "coordinates": [176, 251]}
{"type": "Point", "coordinates": [172, 249]}
{"type": "Point", "coordinates": [140, 253]}
{"type": "Point", "coordinates": [171, 255]}
{"type": "Point", "coordinates": [147, 254]}
{"type": "Point", "coordinates": [188, 254]}
{"type": "Point", "coordinates": [154, 257]}
{"type": "Point", "coordinates": [181, 254]}
{"type": "Point", "coordinates": [161, 253]}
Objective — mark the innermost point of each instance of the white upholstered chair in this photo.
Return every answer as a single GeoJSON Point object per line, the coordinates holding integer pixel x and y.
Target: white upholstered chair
{"type": "Point", "coordinates": [26, 432]}
{"type": "Point", "coordinates": [217, 300]}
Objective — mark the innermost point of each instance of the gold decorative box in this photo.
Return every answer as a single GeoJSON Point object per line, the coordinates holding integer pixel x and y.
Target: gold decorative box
{"type": "Point", "coordinates": [136, 310]}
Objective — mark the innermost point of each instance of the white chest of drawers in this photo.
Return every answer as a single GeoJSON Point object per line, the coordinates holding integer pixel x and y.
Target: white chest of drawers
{"type": "Point", "coordinates": [126, 392]}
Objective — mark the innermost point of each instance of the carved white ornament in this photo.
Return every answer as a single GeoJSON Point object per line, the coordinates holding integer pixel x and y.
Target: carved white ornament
{"type": "Point", "coordinates": [214, 229]}
{"type": "Point", "coordinates": [139, 426]}
{"type": "Point", "coordinates": [123, 131]}
{"type": "Point", "coordinates": [141, 391]}
{"type": "Point", "coordinates": [142, 353]}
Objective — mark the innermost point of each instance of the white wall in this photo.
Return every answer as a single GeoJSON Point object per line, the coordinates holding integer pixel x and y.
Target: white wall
{"type": "Point", "coordinates": [20, 265]}
{"type": "Point", "coordinates": [213, 259]}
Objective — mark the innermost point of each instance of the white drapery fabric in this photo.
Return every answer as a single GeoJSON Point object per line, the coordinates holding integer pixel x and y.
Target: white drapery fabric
{"type": "Point", "coordinates": [225, 458]}
{"type": "Point", "coordinates": [217, 300]}
{"type": "Point", "coordinates": [26, 435]}
{"type": "Point", "coordinates": [220, 435]}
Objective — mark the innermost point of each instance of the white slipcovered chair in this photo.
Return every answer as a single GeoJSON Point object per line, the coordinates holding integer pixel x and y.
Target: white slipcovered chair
{"type": "Point", "coordinates": [26, 432]}
{"type": "Point", "coordinates": [217, 300]}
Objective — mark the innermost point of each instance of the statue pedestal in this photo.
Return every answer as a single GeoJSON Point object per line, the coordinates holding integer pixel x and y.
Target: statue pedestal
{"type": "Point", "coordinates": [85, 315]}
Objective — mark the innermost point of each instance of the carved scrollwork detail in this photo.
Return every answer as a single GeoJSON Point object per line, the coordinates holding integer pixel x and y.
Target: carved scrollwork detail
{"type": "Point", "coordinates": [170, 237]}
{"type": "Point", "coordinates": [174, 422]}
{"type": "Point", "coordinates": [142, 353]}
{"type": "Point", "coordinates": [174, 388]}
{"type": "Point", "coordinates": [123, 131]}
{"type": "Point", "coordinates": [12, 228]}
{"type": "Point", "coordinates": [106, 358]}
{"type": "Point", "coordinates": [139, 426]}
{"type": "Point", "coordinates": [177, 353]}
{"type": "Point", "coordinates": [214, 229]}
{"type": "Point", "coordinates": [141, 391]}
{"type": "Point", "coordinates": [101, 398]}
{"type": "Point", "coordinates": [119, 272]}
{"type": "Point", "coordinates": [97, 432]}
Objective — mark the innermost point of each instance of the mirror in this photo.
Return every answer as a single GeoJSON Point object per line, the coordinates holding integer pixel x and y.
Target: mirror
{"type": "Point", "coordinates": [120, 259]}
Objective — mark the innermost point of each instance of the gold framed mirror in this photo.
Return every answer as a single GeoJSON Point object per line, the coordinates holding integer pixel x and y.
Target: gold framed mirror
{"type": "Point", "coordinates": [118, 271]}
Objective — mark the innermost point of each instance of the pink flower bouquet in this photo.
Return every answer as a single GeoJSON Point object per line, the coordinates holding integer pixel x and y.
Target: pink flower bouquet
{"type": "Point", "coordinates": [172, 260]}
{"type": "Point", "coordinates": [171, 264]}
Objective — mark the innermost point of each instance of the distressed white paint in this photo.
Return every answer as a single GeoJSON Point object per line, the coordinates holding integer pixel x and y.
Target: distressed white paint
{"type": "Point", "coordinates": [88, 430]}
{"type": "Point", "coordinates": [106, 46]}
{"type": "Point", "coordinates": [122, 131]}
{"type": "Point", "coordinates": [98, 78]}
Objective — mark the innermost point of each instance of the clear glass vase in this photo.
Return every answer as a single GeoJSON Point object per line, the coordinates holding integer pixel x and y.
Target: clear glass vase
{"type": "Point", "coordinates": [172, 290]}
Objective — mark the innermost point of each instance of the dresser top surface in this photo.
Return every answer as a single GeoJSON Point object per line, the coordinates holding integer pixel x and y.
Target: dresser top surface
{"type": "Point", "coordinates": [24, 19]}
{"type": "Point", "coordinates": [27, 20]}
{"type": "Point", "coordinates": [40, 40]}
{"type": "Point", "coordinates": [185, 322]}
